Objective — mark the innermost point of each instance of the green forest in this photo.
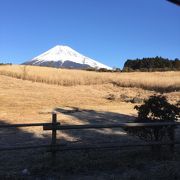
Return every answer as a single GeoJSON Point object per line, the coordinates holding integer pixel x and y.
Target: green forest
{"type": "Point", "coordinates": [152, 64]}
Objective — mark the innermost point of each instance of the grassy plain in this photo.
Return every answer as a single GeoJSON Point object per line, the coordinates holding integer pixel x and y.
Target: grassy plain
{"type": "Point", "coordinates": [30, 94]}
{"type": "Point", "coordinates": [159, 81]}
{"type": "Point", "coordinates": [27, 91]}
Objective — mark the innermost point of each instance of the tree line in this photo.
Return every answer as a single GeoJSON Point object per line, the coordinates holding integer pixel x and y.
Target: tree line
{"type": "Point", "coordinates": [5, 63]}
{"type": "Point", "coordinates": [152, 64]}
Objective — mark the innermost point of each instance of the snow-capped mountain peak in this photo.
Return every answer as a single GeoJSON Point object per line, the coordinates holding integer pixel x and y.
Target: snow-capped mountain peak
{"type": "Point", "coordinates": [65, 56]}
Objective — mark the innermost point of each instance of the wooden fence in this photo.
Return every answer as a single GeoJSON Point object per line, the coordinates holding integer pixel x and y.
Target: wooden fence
{"type": "Point", "coordinates": [55, 126]}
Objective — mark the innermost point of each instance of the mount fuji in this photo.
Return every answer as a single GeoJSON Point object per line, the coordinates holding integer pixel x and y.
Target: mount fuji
{"type": "Point", "coordinates": [65, 57]}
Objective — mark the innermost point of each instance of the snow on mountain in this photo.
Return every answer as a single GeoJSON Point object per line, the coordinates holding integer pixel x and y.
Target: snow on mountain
{"type": "Point", "coordinates": [64, 56]}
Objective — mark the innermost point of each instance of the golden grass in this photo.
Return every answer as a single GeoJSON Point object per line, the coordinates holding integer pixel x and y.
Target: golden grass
{"type": "Point", "coordinates": [158, 81]}
{"type": "Point", "coordinates": [22, 101]}
{"type": "Point", "coordinates": [27, 101]}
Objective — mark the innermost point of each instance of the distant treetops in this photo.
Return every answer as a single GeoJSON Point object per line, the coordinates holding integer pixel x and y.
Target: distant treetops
{"type": "Point", "coordinates": [148, 64]}
{"type": "Point", "coordinates": [152, 64]}
{"type": "Point", "coordinates": [5, 63]}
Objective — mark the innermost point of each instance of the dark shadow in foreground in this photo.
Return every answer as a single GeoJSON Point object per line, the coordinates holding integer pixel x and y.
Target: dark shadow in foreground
{"type": "Point", "coordinates": [125, 163]}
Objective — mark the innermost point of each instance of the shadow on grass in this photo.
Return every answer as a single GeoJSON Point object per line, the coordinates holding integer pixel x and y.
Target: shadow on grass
{"type": "Point", "coordinates": [96, 164]}
{"type": "Point", "coordinates": [93, 136]}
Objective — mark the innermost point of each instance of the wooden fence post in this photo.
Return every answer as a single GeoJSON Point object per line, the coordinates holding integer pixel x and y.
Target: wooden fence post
{"type": "Point", "coordinates": [53, 140]}
{"type": "Point", "coordinates": [172, 138]}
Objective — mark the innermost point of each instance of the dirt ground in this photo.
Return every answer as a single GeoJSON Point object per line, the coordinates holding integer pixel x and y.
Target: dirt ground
{"type": "Point", "coordinates": [28, 102]}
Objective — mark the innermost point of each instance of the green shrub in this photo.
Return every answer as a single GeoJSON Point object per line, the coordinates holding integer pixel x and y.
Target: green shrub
{"type": "Point", "coordinates": [156, 109]}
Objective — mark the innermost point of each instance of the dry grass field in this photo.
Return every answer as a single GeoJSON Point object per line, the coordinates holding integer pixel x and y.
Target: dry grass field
{"type": "Point", "coordinates": [159, 81]}
{"type": "Point", "coordinates": [26, 91]}
{"type": "Point", "coordinates": [30, 94]}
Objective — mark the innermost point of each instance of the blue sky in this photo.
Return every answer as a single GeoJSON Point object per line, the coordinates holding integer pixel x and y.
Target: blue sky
{"type": "Point", "coordinates": [109, 31]}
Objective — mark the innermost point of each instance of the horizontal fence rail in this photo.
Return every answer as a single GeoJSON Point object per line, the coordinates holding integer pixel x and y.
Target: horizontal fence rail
{"type": "Point", "coordinates": [24, 147]}
{"type": "Point", "coordinates": [25, 125]}
{"type": "Point", "coordinates": [109, 146]}
{"type": "Point", "coordinates": [64, 147]}
{"type": "Point", "coordinates": [102, 126]}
